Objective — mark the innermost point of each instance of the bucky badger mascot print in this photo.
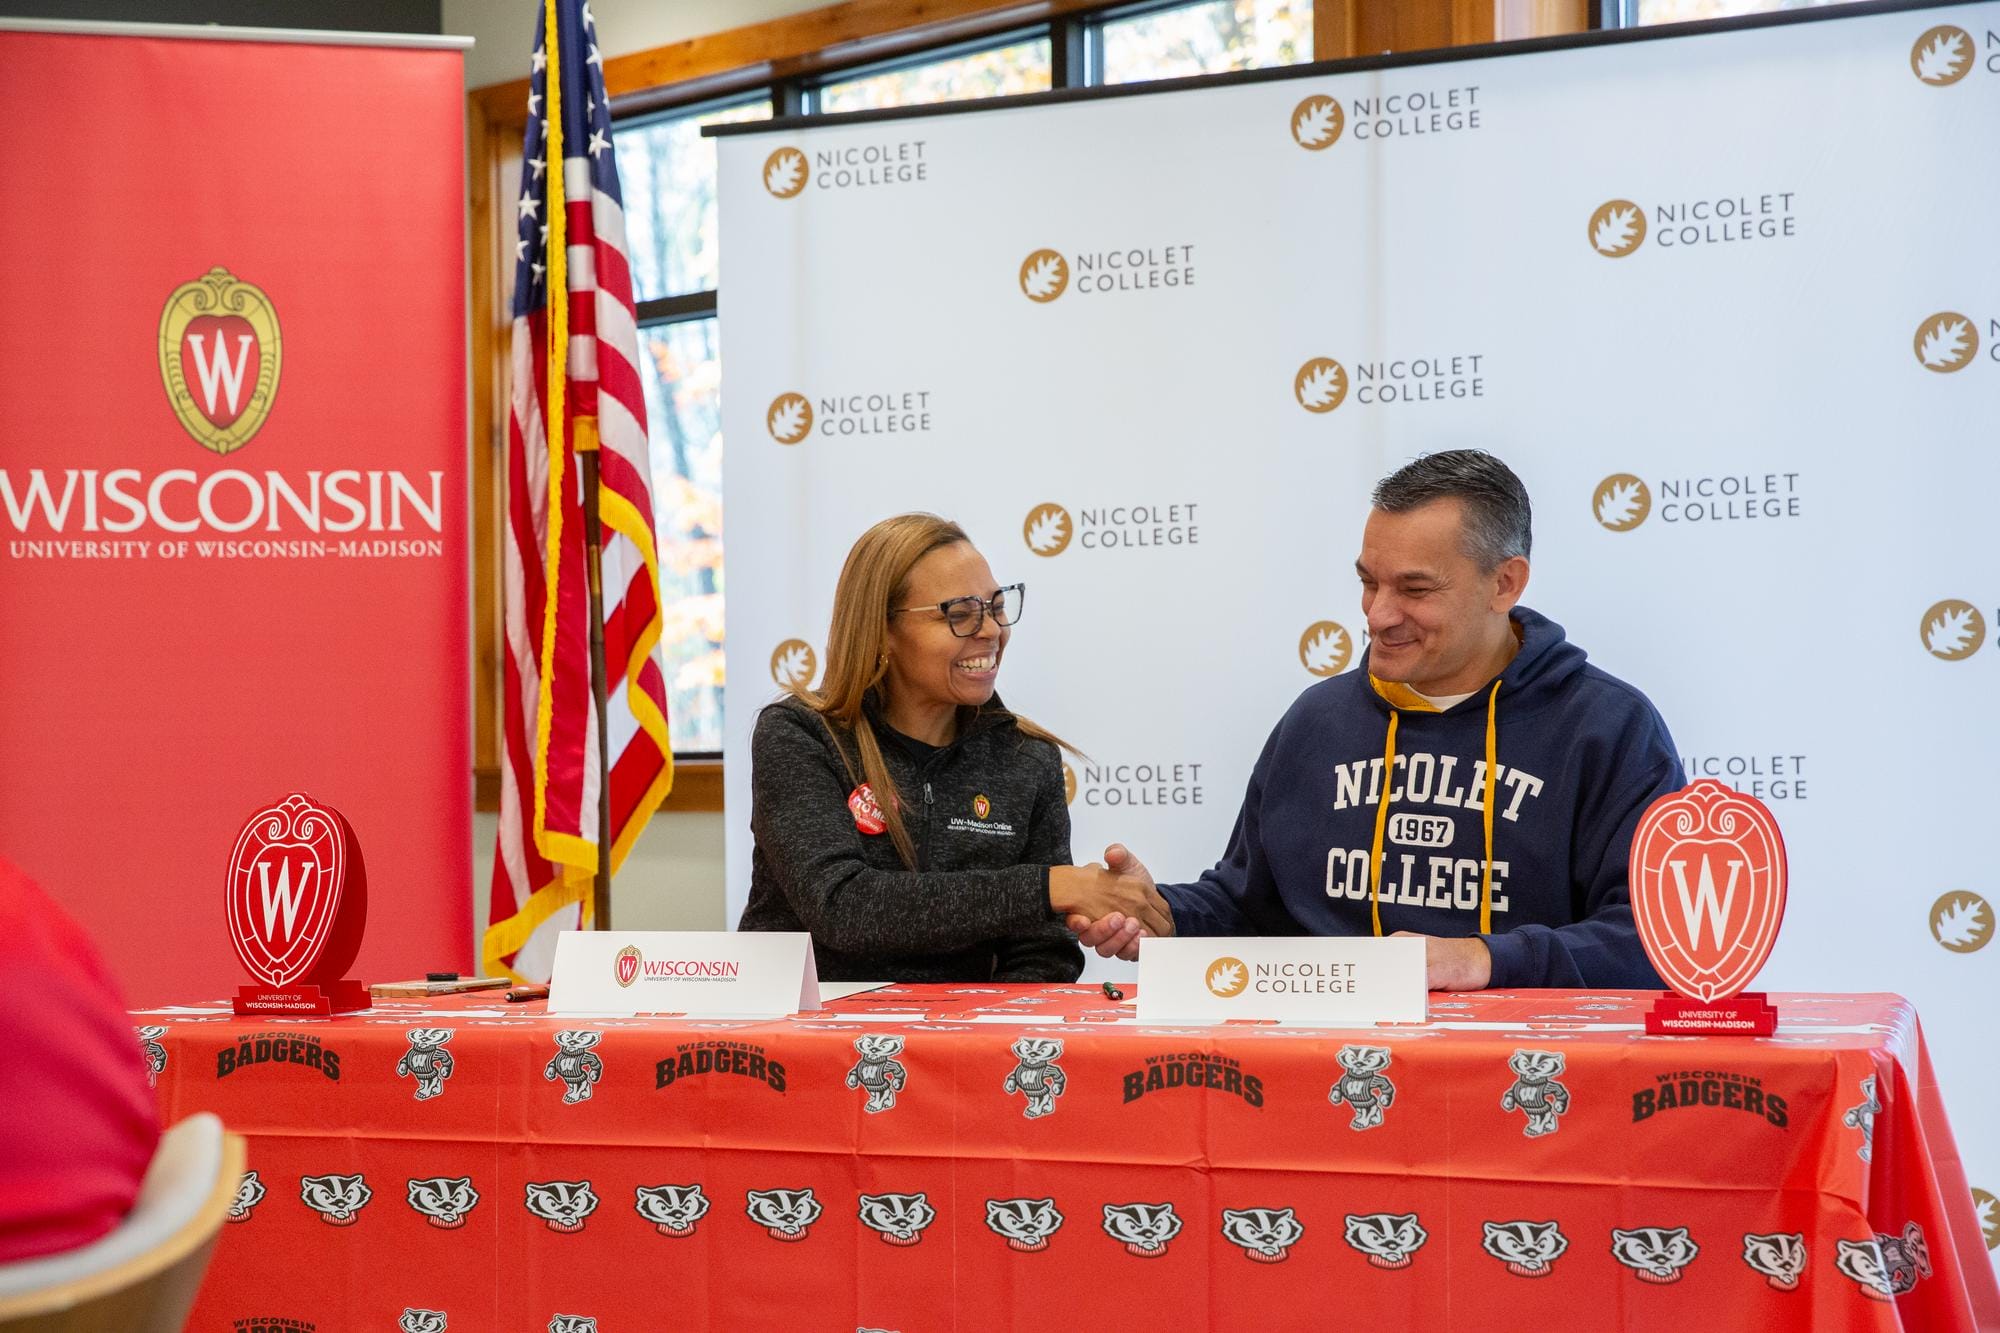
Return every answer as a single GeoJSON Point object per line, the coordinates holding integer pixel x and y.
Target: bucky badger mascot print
{"type": "Point", "coordinates": [1364, 1086]}
{"type": "Point", "coordinates": [576, 1064]}
{"type": "Point", "coordinates": [156, 1054]}
{"type": "Point", "coordinates": [1037, 1076]}
{"type": "Point", "coordinates": [1536, 1092]}
{"type": "Point", "coordinates": [878, 1071]}
{"type": "Point", "coordinates": [427, 1061]}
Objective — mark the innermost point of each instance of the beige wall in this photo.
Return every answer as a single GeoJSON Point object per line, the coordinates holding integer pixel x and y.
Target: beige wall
{"type": "Point", "coordinates": [505, 31]}
{"type": "Point", "coordinates": [673, 879]}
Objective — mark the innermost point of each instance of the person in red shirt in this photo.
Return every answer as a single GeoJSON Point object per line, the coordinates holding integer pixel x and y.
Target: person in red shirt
{"type": "Point", "coordinates": [78, 1119]}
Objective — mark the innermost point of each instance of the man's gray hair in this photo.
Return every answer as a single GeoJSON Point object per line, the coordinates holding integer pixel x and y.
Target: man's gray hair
{"type": "Point", "coordinates": [1498, 522]}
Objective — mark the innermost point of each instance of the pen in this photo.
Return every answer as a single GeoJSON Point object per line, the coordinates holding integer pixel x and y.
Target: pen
{"type": "Point", "coordinates": [1111, 992]}
{"type": "Point", "coordinates": [520, 993]}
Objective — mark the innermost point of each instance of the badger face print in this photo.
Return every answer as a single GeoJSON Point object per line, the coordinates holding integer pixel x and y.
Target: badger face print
{"type": "Point", "coordinates": [1266, 1235]}
{"type": "Point", "coordinates": [444, 1200]}
{"type": "Point", "coordinates": [673, 1209]}
{"type": "Point", "coordinates": [1528, 1249]}
{"type": "Point", "coordinates": [563, 1204]}
{"type": "Point", "coordinates": [337, 1199]}
{"type": "Point", "coordinates": [1862, 1262]}
{"type": "Point", "coordinates": [1389, 1240]}
{"type": "Point", "coordinates": [786, 1214]}
{"type": "Point", "coordinates": [1654, 1254]}
{"type": "Point", "coordinates": [1025, 1224]}
{"type": "Point", "coordinates": [249, 1192]}
{"type": "Point", "coordinates": [1037, 1076]}
{"type": "Point", "coordinates": [1143, 1228]}
{"type": "Point", "coordinates": [421, 1321]}
{"type": "Point", "coordinates": [900, 1218]}
{"type": "Point", "coordinates": [1780, 1257]}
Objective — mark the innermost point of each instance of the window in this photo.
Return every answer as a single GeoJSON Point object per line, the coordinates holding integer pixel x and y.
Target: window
{"type": "Point", "coordinates": [666, 171]}
{"type": "Point", "coordinates": [1637, 13]}
{"type": "Point", "coordinates": [1207, 38]}
{"type": "Point", "coordinates": [1021, 67]}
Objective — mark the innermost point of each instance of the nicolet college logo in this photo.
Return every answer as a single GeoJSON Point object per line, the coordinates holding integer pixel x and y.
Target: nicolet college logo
{"type": "Point", "coordinates": [786, 173]}
{"type": "Point", "coordinates": [1621, 502]}
{"type": "Point", "coordinates": [790, 418]}
{"type": "Point", "coordinates": [793, 664]}
{"type": "Point", "coordinates": [1942, 56]}
{"type": "Point", "coordinates": [219, 358]}
{"type": "Point", "coordinates": [1325, 648]}
{"type": "Point", "coordinates": [1962, 922]}
{"type": "Point", "coordinates": [1047, 529]}
{"type": "Point", "coordinates": [1044, 276]}
{"type": "Point", "coordinates": [1946, 342]}
{"type": "Point", "coordinates": [1617, 228]}
{"type": "Point", "coordinates": [1320, 385]}
{"type": "Point", "coordinates": [1953, 630]}
{"type": "Point", "coordinates": [1317, 122]}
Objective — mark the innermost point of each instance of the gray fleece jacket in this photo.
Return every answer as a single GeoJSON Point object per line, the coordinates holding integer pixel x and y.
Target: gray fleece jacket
{"type": "Point", "coordinates": [987, 815]}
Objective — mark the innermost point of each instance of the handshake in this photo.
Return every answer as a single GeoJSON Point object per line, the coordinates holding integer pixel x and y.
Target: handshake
{"type": "Point", "coordinates": [1112, 906]}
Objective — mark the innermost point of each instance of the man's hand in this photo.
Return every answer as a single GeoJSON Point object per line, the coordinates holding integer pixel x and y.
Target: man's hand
{"type": "Point", "coordinates": [1123, 894]}
{"type": "Point", "coordinates": [1454, 964]}
{"type": "Point", "coordinates": [1117, 935]}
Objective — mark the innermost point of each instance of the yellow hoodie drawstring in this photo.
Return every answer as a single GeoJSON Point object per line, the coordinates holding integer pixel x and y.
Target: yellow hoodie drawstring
{"type": "Point", "coordinates": [1404, 697]}
{"type": "Point", "coordinates": [1381, 820]}
{"type": "Point", "coordinates": [1492, 783]}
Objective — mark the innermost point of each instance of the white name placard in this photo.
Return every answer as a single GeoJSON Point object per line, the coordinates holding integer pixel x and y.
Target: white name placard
{"type": "Point", "coordinates": [707, 973]}
{"type": "Point", "coordinates": [1337, 981]}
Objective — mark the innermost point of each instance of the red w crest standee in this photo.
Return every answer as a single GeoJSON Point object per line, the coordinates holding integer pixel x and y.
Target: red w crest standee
{"type": "Point", "coordinates": [296, 901]}
{"type": "Point", "coordinates": [1708, 894]}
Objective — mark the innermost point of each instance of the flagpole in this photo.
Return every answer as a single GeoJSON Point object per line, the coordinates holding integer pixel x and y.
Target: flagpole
{"type": "Point", "coordinates": [593, 538]}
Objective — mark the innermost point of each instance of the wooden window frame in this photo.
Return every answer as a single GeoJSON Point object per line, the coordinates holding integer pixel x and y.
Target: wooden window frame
{"type": "Point", "coordinates": [784, 56]}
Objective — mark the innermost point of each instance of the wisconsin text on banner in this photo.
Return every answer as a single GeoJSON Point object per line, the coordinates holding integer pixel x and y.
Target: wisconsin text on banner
{"type": "Point", "coordinates": [575, 363]}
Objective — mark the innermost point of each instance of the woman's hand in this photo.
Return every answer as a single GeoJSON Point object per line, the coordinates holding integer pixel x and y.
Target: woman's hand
{"type": "Point", "coordinates": [1094, 893]}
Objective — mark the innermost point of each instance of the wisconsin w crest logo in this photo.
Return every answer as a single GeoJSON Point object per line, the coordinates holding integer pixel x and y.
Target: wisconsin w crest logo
{"type": "Point", "coordinates": [219, 358]}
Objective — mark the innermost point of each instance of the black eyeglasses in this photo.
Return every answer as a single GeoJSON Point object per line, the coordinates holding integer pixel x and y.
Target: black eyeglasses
{"type": "Point", "coordinates": [965, 615]}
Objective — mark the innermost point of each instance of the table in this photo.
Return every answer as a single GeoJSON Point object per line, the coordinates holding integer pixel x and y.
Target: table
{"type": "Point", "coordinates": [989, 1157]}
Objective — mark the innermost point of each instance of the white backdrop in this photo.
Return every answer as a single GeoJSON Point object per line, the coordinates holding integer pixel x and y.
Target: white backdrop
{"type": "Point", "coordinates": [1729, 303]}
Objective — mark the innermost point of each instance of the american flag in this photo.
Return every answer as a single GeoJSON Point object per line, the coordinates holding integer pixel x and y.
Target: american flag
{"type": "Point", "coordinates": [571, 229]}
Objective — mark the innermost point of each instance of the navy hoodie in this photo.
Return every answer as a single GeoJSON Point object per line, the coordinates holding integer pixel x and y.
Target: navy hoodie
{"type": "Point", "coordinates": [1580, 755]}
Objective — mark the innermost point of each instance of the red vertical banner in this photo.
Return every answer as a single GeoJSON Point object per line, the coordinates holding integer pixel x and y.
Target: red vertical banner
{"type": "Point", "coordinates": [233, 542]}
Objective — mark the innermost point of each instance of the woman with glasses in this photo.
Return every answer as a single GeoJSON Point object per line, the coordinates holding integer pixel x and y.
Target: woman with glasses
{"type": "Point", "coordinates": [901, 813]}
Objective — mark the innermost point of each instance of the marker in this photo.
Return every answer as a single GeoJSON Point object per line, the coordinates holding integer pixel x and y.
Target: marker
{"type": "Point", "coordinates": [1111, 992]}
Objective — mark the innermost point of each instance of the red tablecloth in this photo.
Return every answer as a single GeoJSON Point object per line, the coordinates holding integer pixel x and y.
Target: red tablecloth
{"type": "Point", "coordinates": [932, 1158]}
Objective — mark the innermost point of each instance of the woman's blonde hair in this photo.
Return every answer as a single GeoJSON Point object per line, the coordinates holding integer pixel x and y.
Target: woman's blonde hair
{"type": "Point", "coordinates": [874, 579]}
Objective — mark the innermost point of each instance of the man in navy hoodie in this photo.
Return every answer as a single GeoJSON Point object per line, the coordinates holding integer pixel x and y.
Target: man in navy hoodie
{"type": "Point", "coordinates": [1475, 782]}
